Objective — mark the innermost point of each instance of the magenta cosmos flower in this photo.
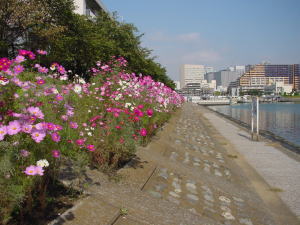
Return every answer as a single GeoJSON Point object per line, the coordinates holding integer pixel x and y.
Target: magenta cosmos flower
{"type": "Point", "coordinates": [13, 127]}
{"type": "Point", "coordinates": [149, 112]}
{"type": "Point", "coordinates": [80, 142]}
{"type": "Point", "coordinates": [56, 153]}
{"type": "Point", "coordinates": [40, 81]}
{"type": "Point", "coordinates": [59, 97]}
{"type": "Point", "coordinates": [143, 132]}
{"type": "Point", "coordinates": [91, 148]}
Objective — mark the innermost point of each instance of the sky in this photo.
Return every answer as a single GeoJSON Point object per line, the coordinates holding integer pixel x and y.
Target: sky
{"type": "Point", "coordinates": [218, 33]}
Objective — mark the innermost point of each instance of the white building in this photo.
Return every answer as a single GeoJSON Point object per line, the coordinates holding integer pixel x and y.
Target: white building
{"type": "Point", "coordinates": [279, 88]}
{"type": "Point", "coordinates": [89, 7]}
{"type": "Point", "coordinates": [209, 85]}
{"type": "Point", "coordinates": [191, 74]}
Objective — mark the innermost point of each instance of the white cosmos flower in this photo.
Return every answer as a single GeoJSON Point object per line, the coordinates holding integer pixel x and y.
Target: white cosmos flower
{"type": "Point", "coordinates": [42, 163]}
{"type": "Point", "coordinates": [82, 81]}
{"type": "Point", "coordinates": [127, 105]}
{"type": "Point", "coordinates": [90, 134]}
{"type": "Point", "coordinates": [77, 88]}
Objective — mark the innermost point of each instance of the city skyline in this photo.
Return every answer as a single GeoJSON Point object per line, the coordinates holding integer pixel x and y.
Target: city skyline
{"type": "Point", "coordinates": [215, 33]}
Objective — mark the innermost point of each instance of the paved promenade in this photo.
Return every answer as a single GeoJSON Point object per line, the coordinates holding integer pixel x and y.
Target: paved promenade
{"type": "Point", "coordinates": [199, 170]}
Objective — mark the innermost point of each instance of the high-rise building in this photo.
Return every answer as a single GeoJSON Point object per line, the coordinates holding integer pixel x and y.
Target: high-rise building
{"type": "Point", "coordinates": [89, 7]}
{"type": "Point", "coordinates": [261, 75]}
{"type": "Point", "coordinates": [191, 74]}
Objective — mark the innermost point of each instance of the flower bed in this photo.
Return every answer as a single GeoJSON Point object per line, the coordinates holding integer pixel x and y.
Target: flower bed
{"type": "Point", "coordinates": [46, 119]}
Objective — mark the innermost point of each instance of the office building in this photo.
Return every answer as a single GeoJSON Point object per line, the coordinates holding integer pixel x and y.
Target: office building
{"type": "Point", "coordinates": [223, 77]}
{"type": "Point", "coordinates": [191, 74]}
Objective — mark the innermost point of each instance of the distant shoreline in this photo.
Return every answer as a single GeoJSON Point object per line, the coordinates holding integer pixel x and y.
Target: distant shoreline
{"type": "Point", "coordinates": [290, 99]}
{"type": "Point", "coordinates": [267, 134]}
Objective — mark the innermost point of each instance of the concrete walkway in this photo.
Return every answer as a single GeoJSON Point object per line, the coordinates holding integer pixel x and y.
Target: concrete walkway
{"type": "Point", "coordinates": [199, 170]}
{"type": "Point", "coordinates": [281, 171]}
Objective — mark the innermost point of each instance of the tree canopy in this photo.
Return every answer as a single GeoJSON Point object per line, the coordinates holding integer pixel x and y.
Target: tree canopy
{"type": "Point", "coordinates": [76, 41]}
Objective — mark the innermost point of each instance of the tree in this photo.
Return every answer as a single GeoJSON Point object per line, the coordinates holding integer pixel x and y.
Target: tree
{"type": "Point", "coordinates": [77, 42]}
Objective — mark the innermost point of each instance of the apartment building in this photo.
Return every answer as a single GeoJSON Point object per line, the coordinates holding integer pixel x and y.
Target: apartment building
{"type": "Point", "coordinates": [89, 7]}
{"type": "Point", "coordinates": [258, 76]}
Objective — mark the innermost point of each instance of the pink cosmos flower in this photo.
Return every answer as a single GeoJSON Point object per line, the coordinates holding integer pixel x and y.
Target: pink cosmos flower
{"type": "Point", "coordinates": [39, 170]}
{"type": "Point", "coordinates": [19, 59]}
{"type": "Point", "coordinates": [38, 136]}
{"type": "Point", "coordinates": [64, 117]}
{"type": "Point", "coordinates": [35, 111]}
{"type": "Point", "coordinates": [26, 128]}
{"type": "Point", "coordinates": [56, 153]}
{"type": "Point", "coordinates": [70, 112]}
{"type": "Point", "coordinates": [24, 153]}
{"type": "Point", "coordinates": [143, 132]}
{"type": "Point", "coordinates": [61, 70]}
{"type": "Point", "coordinates": [73, 125]}
{"type": "Point", "coordinates": [13, 127]}
{"type": "Point", "coordinates": [30, 170]}
{"type": "Point", "coordinates": [18, 69]}
{"type": "Point", "coordinates": [40, 126]}
{"type": "Point", "coordinates": [91, 148]}
{"type": "Point", "coordinates": [55, 137]}
{"type": "Point", "coordinates": [3, 132]}
{"type": "Point", "coordinates": [42, 52]}
{"type": "Point", "coordinates": [43, 70]}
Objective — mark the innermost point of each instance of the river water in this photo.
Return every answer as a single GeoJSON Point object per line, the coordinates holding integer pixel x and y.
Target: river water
{"type": "Point", "coordinates": [282, 119]}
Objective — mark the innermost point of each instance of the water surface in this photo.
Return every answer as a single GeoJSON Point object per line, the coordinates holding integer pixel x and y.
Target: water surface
{"type": "Point", "coordinates": [282, 119]}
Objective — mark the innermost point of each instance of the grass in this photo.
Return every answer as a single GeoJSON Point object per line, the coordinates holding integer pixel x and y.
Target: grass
{"type": "Point", "coordinates": [275, 189]}
{"type": "Point", "coordinates": [232, 156]}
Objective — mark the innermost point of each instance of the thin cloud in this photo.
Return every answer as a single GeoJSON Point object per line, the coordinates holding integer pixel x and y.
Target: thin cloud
{"type": "Point", "coordinates": [161, 36]}
{"type": "Point", "coordinates": [189, 37]}
{"type": "Point", "coordinates": [205, 56]}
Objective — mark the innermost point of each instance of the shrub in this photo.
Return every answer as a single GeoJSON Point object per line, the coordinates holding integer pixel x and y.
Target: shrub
{"type": "Point", "coordinates": [47, 119]}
